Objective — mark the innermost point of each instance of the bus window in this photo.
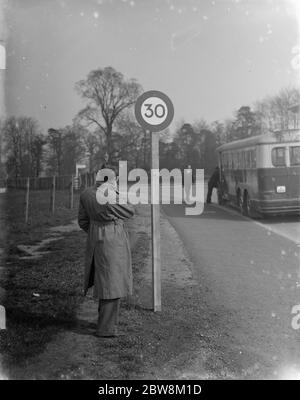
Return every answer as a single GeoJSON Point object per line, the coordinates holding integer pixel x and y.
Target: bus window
{"type": "Point", "coordinates": [224, 163]}
{"type": "Point", "coordinates": [278, 157]}
{"type": "Point", "coordinates": [226, 160]}
{"type": "Point", "coordinates": [235, 160]}
{"type": "Point", "coordinates": [253, 158]}
{"type": "Point", "coordinates": [223, 160]}
{"type": "Point", "coordinates": [295, 155]}
{"type": "Point", "coordinates": [240, 159]}
{"type": "Point", "coordinates": [248, 159]}
{"type": "Point", "coordinates": [230, 160]}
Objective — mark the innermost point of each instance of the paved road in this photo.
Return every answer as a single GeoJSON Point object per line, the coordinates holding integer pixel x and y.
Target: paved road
{"type": "Point", "coordinates": [250, 280]}
{"type": "Point", "coordinates": [286, 226]}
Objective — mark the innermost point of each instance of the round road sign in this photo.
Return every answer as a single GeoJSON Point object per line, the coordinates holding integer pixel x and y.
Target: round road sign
{"type": "Point", "coordinates": [154, 111]}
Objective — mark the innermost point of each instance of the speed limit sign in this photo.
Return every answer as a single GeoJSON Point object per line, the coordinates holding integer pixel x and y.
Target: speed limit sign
{"type": "Point", "coordinates": [154, 111]}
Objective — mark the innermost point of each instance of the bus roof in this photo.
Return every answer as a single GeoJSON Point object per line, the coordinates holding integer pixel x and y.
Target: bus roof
{"type": "Point", "coordinates": [291, 135]}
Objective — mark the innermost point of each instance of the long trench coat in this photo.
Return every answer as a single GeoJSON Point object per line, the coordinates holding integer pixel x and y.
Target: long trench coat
{"type": "Point", "coordinates": [108, 257]}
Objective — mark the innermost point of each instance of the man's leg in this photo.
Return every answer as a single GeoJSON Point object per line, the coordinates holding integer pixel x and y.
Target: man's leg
{"type": "Point", "coordinates": [209, 193]}
{"type": "Point", "coordinates": [108, 317]}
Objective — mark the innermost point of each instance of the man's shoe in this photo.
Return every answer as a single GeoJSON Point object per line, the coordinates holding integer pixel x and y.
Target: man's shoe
{"type": "Point", "coordinates": [105, 336]}
{"type": "Point", "coordinates": [113, 335]}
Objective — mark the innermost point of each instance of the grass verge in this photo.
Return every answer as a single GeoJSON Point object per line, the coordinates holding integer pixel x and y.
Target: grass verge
{"type": "Point", "coordinates": [43, 295]}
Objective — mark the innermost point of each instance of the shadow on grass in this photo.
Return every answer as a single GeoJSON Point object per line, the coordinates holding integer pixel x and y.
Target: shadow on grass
{"type": "Point", "coordinates": [27, 334]}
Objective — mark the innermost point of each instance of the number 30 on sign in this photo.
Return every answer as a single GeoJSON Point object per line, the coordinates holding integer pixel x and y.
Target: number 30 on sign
{"type": "Point", "coordinates": [154, 110]}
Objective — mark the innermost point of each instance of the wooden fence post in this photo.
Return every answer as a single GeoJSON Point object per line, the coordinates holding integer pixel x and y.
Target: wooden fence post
{"type": "Point", "coordinates": [27, 200]}
{"type": "Point", "coordinates": [52, 196]}
{"type": "Point", "coordinates": [72, 192]}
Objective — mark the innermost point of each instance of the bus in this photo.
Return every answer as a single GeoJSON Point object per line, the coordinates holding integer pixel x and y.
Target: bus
{"type": "Point", "coordinates": [261, 174]}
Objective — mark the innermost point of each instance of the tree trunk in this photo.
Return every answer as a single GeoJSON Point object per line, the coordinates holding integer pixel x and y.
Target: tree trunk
{"type": "Point", "coordinates": [108, 140]}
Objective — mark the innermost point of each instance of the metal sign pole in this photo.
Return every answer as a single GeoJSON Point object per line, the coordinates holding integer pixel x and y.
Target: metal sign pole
{"type": "Point", "coordinates": [154, 111]}
{"type": "Point", "coordinates": [155, 224]}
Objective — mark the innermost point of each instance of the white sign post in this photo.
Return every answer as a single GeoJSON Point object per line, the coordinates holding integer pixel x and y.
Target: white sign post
{"type": "Point", "coordinates": [154, 111]}
{"type": "Point", "coordinates": [78, 167]}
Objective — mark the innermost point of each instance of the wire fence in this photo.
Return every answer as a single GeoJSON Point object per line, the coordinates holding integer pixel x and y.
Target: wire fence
{"type": "Point", "coordinates": [54, 188]}
{"type": "Point", "coordinates": [62, 182]}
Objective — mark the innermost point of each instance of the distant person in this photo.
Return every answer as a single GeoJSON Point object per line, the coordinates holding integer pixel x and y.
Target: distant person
{"type": "Point", "coordinates": [188, 182]}
{"type": "Point", "coordinates": [213, 183]}
{"type": "Point", "coordinates": [105, 163]}
{"type": "Point", "coordinates": [108, 257]}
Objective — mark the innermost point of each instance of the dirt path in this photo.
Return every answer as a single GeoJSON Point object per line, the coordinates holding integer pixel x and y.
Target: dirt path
{"type": "Point", "coordinates": [36, 251]}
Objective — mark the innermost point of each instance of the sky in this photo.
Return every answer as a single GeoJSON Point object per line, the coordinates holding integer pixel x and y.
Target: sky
{"type": "Point", "coordinates": [209, 56]}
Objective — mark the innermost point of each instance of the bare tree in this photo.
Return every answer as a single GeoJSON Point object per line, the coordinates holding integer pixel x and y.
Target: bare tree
{"type": "Point", "coordinates": [218, 129]}
{"type": "Point", "coordinates": [23, 146]}
{"type": "Point", "coordinates": [93, 146]}
{"type": "Point", "coordinates": [274, 112]}
{"type": "Point", "coordinates": [245, 124]}
{"type": "Point", "coordinates": [55, 143]}
{"type": "Point", "coordinates": [37, 150]}
{"type": "Point", "coordinates": [65, 147]}
{"type": "Point", "coordinates": [130, 142]}
{"type": "Point", "coordinates": [108, 95]}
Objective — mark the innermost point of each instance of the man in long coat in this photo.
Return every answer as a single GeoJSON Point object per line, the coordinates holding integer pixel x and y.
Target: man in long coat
{"type": "Point", "coordinates": [213, 183]}
{"type": "Point", "coordinates": [108, 258]}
